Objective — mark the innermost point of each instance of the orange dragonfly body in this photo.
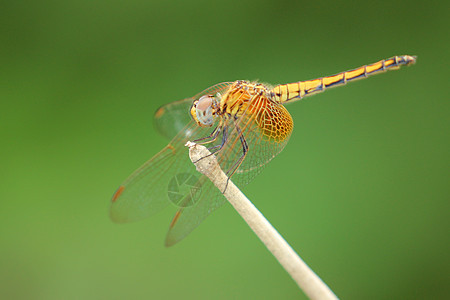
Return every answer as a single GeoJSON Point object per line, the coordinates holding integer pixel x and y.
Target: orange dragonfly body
{"type": "Point", "coordinates": [245, 124]}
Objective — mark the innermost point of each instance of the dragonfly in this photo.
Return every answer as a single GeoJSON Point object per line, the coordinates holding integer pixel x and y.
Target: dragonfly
{"type": "Point", "coordinates": [244, 124]}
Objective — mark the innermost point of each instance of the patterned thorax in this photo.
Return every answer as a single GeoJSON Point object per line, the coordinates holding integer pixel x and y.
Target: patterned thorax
{"type": "Point", "coordinates": [241, 93]}
{"type": "Point", "coordinates": [253, 104]}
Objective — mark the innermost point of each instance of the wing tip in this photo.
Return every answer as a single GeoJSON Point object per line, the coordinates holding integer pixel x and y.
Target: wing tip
{"type": "Point", "coordinates": [117, 193]}
{"type": "Point", "coordinates": [175, 219]}
{"type": "Point", "coordinates": [160, 112]}
{"type": "Point", "coordinates": [116, 218]}
{"type": "Point", "coordinates": [170, 240]}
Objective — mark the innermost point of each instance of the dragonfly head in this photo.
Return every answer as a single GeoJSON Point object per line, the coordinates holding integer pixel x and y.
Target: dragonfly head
{"type": "Point", "coordinates": [202, 110]}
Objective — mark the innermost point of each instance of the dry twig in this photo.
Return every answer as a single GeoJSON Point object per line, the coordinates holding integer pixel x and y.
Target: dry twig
{"type": "Point", "coordinates": [306, 279]}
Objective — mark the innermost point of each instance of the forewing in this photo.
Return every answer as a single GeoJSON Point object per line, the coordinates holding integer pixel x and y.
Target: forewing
{"type": "Point", "coordinates": [262, 147]}
{"type": "Point", "coordinates": [188, 218]}
{"type": "Point", "coordinates": [171, 119]}
{"type": "Point", "coordinates": [166, 176]}
{"type": "Point", "coordinates": [266, 131]}
{"type": "Point", "coordinates": [170, 175]}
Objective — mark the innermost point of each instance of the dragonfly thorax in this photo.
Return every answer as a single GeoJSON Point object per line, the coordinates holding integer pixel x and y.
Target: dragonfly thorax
{"type": "Point", "coordinates": [203, 111]}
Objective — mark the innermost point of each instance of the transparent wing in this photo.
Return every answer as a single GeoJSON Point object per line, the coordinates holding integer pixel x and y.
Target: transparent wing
{"type": "Point", "coordinates": [167, 177]}
{"type": "Point", "coordinates": [188, 218]}
{"type": "Point", "coordinates": [265, 127]}
{"type": "Point", "coordinates": [171, 119]}
{"type": "Point", "coordinates": [170, 177]}
{"type": "Point", "coordinates": [264, 143]}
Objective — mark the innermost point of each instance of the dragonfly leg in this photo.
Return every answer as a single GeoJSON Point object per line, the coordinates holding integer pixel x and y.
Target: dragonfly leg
{"type": "Point", "coordinates": [224, 139]}
{"type": "Point", "coordinates": [218, 147]}
{"type": "Point", "coordinates": [210, 138]}
{"type": "Point", "coordinates": [238, 163]}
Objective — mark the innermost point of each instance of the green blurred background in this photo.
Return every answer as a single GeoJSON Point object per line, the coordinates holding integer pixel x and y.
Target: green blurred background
{"type": "Point", "coordinates": [361, 190]}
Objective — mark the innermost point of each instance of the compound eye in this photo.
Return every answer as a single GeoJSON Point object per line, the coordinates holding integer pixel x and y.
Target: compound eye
{"type": "Point", "coordinates": [204, 111]}
{"type": "Point", "coordinates": [204, 103]}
